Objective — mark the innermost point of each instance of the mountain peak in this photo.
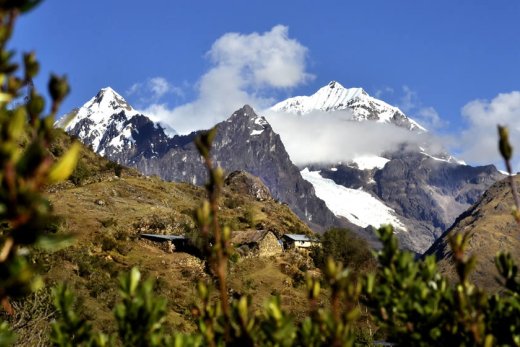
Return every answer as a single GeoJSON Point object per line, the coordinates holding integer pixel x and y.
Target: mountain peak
{"type": "Point", "coordinates": [247, 110]}
{"type": "Point", "coordinates": [361, 106]}
{"type": "Point", "coordinates": [108, 93]}
{"type": "Point", "coordinates": [108, 99]}
{"type": "Point", "coordinates": [247, 118]}
{"type": "Point", "coordinates": [333, 84]}
{"type": "Point", "coordinates": [336, 85]}
{"type": "Point", "coordinates": [106, 113]}
{"type": "Point", "coordinates": [330, 97]}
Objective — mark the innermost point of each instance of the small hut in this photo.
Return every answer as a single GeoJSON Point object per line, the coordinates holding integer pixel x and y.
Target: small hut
{"type": "Point", "coordinates": [299, 241]}
{"type": "Point", "coordinates": [262, 243]}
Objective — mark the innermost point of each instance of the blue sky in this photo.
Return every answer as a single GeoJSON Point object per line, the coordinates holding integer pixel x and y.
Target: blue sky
{"type": "Point", "coordinates": [431, 58]}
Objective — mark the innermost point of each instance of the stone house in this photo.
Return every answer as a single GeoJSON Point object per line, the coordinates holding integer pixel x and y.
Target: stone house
{"type": "Point", "coordinates": [262, 243]}
{"type": "Point", "coordinates": [299, 241]}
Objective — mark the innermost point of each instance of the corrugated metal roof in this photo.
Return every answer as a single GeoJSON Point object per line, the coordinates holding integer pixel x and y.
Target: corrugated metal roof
{"type": "Point", "coordinates": [298, 237]}
{"type": "Point", "coordinates": [158, 237]}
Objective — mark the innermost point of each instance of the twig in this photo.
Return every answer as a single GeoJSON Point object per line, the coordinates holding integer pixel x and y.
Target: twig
{"type": "Point", "coordinates": [6, 249]}
{"type": "Point", "coordinates": [506, 150]}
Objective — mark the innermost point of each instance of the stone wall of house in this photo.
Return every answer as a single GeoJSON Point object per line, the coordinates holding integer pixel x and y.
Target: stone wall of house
{"type": "Point", "coordinates": [269, 246]}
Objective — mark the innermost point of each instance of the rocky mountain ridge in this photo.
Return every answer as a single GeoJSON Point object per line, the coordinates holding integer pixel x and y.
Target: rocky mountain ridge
{"type": "Point", "coordinates": [245, 141]}
{"type": "Point", "coordinates": [418, 189]}
{"type": "Point", "coordinates": [420, 193]}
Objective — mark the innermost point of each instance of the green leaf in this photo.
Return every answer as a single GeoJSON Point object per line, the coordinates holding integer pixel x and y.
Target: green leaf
{"type": "Point", "coordinates": [135, 277]}
{"type": "Point", "coordinates": [30, 5]}
{"type": "Point", "coordinates": [17, 123]}
{"type": "Point", "coordinates": [65, 165]}
{"type": "Point", "coordinates": [5, 98]}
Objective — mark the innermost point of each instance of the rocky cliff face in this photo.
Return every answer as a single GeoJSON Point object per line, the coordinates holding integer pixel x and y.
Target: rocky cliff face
{"type": "Point", "coordinates": [430, 193]}
{"type": "Point", "coordinates": [244, 183]}
{"type": "Point", "coordinates": [245, 141]}
{"type": "Point", "coordinates": [419, 193]}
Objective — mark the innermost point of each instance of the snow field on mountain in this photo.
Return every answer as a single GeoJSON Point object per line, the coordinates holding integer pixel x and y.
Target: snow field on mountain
{"type": "Point", "coordinates": [358, 206]}
{"type": "Point", "coordinates": [369, 162]}
{"type": "Point", "coordinates": [334, 97]}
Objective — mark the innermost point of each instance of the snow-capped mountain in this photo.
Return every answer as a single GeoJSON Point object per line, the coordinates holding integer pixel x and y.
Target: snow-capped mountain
{"type": "Point", "coordinates": [114, 129]}
{"type": "Point", "coordinates": [361, 106]}
{"type": "Point", "coordinates": [245, 141]}
{"type": "Point", "coordinates": [416, 189]}
{"type": "Point", "coordinates": [96, 117]}
{"type": "Point", "coordinates": [419, 192]}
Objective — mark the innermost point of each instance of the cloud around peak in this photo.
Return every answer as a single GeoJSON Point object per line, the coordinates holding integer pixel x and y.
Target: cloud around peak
{"type": "Point", "coordinates": [332, 137]}
{"type": "Point", "coordinates": [479, 143]}
{"type": "Point", "coordinates": [245, 69]}
{"type": "Point", "coordinates": [153, 89]}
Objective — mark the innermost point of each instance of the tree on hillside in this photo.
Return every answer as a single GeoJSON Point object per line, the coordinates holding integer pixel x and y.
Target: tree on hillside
{"type": "Point", "coordinates": [343, 246]}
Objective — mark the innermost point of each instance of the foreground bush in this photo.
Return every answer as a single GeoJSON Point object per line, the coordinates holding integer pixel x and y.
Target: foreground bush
{"type": "Point", "coordinates": [26, 165]}
{"type": "Point", "coordinates": [343, 246]}
{"type": "Point", "coordinates": [408, 300]}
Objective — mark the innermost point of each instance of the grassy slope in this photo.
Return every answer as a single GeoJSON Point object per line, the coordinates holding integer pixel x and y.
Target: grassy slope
{"type": "Point", "coordinates": [106, 214]}
{"type": "Point", "coordinates": [493, 228]}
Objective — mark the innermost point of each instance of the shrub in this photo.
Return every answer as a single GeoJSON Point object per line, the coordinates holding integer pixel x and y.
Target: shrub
{"type": "Point", "coordinates": [108, 243]}
{"type": "Point", "coordinates": [343, 246]}
{"type": "Point", "coordinates": [26, 162]}
{"type": "Point", "coordinates": [80, 173]}
{"type": "Point", "coordinates": [108, 222]}
{"type": "Point", "coordinates": [116, 167]}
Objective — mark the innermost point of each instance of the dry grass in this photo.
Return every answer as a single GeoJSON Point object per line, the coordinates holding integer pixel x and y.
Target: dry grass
{"type": "Point", "coordinates": [493, 228]}
{"type": "Point", "coordinates": [106, 215]}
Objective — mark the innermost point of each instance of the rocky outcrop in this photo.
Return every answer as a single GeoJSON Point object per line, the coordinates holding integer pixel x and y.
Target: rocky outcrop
{"type": "Point", "coordinates": [426, 193]}
{"type": "Point", "coordinates": [244, 183]}
{"type": "Point", "coordinates": [246, 142]}
{"type": "Point", "coordinates": [431, 193]}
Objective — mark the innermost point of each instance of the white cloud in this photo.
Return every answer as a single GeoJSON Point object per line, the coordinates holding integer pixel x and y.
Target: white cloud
{"type": "Point", "coordinates": [134, 88]}
{"type": "Point", "coordinates": [412, 106]}
{"type": "Point", "coordinates": [160, 87]}
{"type": "Point", "coordinates": [429, 117]}
{"type": "Point", "coordinates": [480, 140]}
{"type": "Point", "coordinates": [270, 59]}
{"type": "Point", "coordinates": [409, 100]}
{"type": "Point", "coordinates": [153, 90]}
{"type": "Point", "coordinates": [245, 67]}
{"type": "Point", "coordinates": [333, 137]}
{"type": "Point", "coordinates": [383, 91]}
